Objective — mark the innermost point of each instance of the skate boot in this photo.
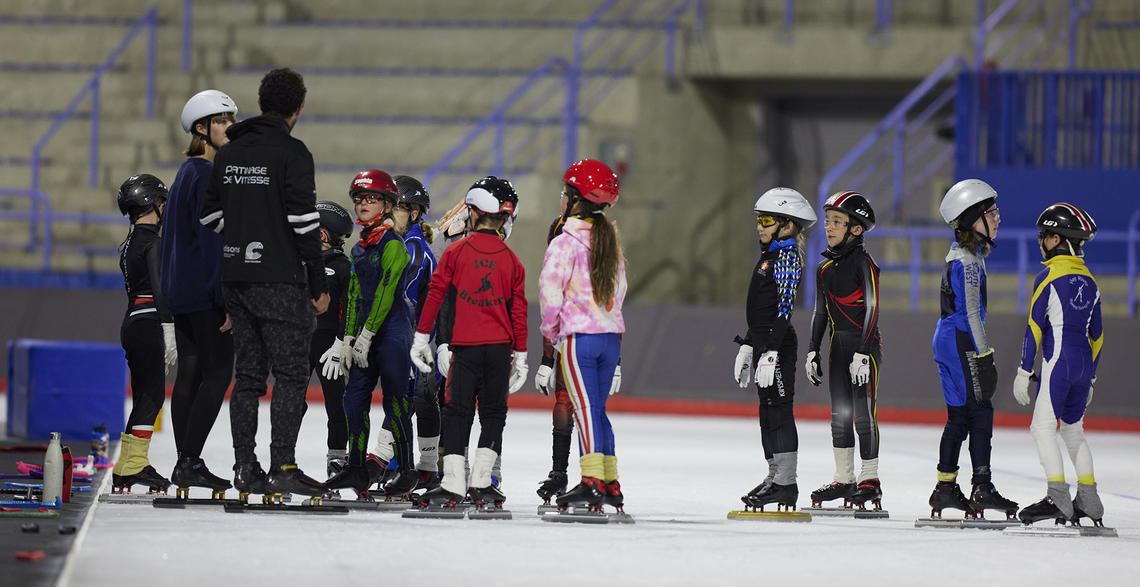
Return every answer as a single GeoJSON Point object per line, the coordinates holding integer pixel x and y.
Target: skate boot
{"type": "Point", "coordinates": [377, 468]}
{"type": "Point", "coordinates": [947, 494]}
{"type": "Point", "coordinates": [439, 498]}
{"type": "Point", "coordinates": [554, 484]}
{"type": "Point", "coordinates": [249, 478]}
{"type": "Point", "coordinates": [133, 467]}
{"type": "Point", "coordinates": [192, 472]}
{"type": "Point", "coordinates": [614, 497]}
{"type": "Point", "coordinates": [147, 476]}
{"type": "Point", "coordinates": [782, 495]}
{"type": "Point", "coordinates": [833, 490]}
{"type": "Point", "coordinates": [402, 485]}
{"type": "Point", "coordinates": [985, 497]}
{"type": "Point", "coordinates": [486, 497]}
{"type": "Point", "coordinates": [868, 490]}
{"type": "Point", "coordinates": [1087, 504]}
{"type": "Point", "coordinates": [1042, 510]}
{"type": "Point", "coordinates": [290, 479]}
{"type": "Point", "coordinates": [590, 493]}
{"type": "Point", "coordinates": [334, 465]}
{"type": "Point", "coordinates": [354, 477]}
{"type": "Point", "coordinates": [427, 481]}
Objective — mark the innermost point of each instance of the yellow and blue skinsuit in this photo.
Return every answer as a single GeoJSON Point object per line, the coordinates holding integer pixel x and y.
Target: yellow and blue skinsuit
{"type": "Point", "coordinates": [1065, 323]}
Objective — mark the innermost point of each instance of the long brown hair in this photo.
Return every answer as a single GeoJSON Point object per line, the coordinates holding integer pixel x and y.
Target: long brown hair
{"type": "Point", "coordinates": [605, 251]}
{"type": "Point", "coordinates": [970, 240]}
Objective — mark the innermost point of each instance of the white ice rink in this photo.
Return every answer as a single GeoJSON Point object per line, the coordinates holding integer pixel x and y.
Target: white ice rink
{"type": "Point", "coordinates": [680, 475]}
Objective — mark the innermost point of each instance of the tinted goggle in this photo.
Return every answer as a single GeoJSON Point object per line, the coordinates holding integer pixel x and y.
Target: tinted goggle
{"type": "Point", "coordinates": [766, 220]}
{"type": "Point", "coordinates": [369, 197]}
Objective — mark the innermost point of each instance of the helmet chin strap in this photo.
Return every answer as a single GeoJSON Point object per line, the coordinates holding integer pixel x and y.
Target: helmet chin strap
{"type": "Point", "coordinates": [986, 235]}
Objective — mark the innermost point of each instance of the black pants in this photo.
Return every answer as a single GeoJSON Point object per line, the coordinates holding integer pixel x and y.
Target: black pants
{"type": "Point", "coordinates": [142, 341]}
{"type": "Point", "coordinates": [777, 422]}
{"type": "Point", "coordinates": [479, 375]}
{"type": "Point", "coordinates": [333, 390]}
{"type": "Point", "coordinates": [563, 421]}
{"type": "Point", "coordinates": [205, 369]}
{"type": "Point", "coordinates": [853, 406]}
{"type": "Point", "coordinates": [975, 420]}
{"type": "Point", "coordinates": [272, 326]}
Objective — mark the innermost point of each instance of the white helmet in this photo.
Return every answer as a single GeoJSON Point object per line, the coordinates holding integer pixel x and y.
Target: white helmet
{"type": "Point", "coordinates": [786, 202]}
{"type": "Point", "coordinates": [206, 103]}
{"type": "Point", "coordinates": [963, 195]}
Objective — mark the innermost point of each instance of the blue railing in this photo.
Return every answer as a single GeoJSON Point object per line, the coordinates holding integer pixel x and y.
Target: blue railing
{"type": "Point", "coordinates": [1048, 120]}
{"type": "Point", "coordinates": [887, 161]}
{"type": "Point", "coordinates": [41, 208]}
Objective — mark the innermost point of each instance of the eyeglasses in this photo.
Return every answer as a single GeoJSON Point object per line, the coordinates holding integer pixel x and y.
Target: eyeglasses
{"type": "Point", "coordinates": [404, 207]}
{"type": "Point", "coordinates": [368, 198]}
{"type": "Point", "coordinates": [836, 223]}
{"type": "Point", "coordinates": [994, 213]}
{"type": "Point", "coordinates": [765, 220]}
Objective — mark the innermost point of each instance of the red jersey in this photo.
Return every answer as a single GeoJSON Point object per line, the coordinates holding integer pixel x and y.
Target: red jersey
{"type": "Point", "coordinates": [487, 282]}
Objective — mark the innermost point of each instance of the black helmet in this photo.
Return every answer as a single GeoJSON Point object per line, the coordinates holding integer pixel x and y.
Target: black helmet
{"type": "Point", "coordinates": [1067, 220]}
{"type": "Point", "coordinates": [140, 194]}
{"type": "Point", "coordinates": [855, 205]}
{"type": "Point", "coordinates": [335, 219]}
{"type": "Point", "coordinates": [412, 192]}
{"type": "Point", "coordinates": [493, 195]}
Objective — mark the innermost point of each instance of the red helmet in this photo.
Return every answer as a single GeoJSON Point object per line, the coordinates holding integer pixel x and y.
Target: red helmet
{"type": "Point", "coordinates": [594, 180]}
{"type": "Point", "coordinates": [374, 180]}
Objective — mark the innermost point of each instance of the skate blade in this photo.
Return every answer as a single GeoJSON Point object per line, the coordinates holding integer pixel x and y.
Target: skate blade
{"type": "Point", "coordinates": [457, 513]}
{"type": "Point", "coordinates": [1060, 531]}
{"type": "Point", "coordinates": [395, 505]}
{"type": "Point", "coordinates": [577, 515]}
{"type": "Point", "coordinates": [134, 498]}
{"type": "Point", "coordinates": [354, 504]}
{"type": "Point", "coordinates": [770, 516]}
{"type": "Point", "coordinates": [851, 512]}
{"type": "Point", "coordinates": [547, 508]}
{"type": "Point", "coordinates": [280, 508]}
{"type": "Point", "coordinates": [176, 503]}
{"type": "Point", "coordinates": [966, 523]}
{"type": "Point", "coordinates": [489, 514]}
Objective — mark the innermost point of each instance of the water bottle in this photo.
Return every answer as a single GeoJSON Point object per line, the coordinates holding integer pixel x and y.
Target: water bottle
{"type": "Point", "coordinates": [53, 470]}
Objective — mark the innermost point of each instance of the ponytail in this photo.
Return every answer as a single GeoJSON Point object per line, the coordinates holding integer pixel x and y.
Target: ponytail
{"type": "Point", "coordinates": [605, 252]}
{"type": "Point", "coordinates": [426, 229]}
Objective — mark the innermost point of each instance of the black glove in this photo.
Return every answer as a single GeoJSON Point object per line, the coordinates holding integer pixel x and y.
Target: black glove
{"type": "Point", "coordinates": [987, 376]}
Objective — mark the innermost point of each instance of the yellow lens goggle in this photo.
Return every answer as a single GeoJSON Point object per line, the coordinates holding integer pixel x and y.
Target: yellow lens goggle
{"type": "Point", "coordinates": [765, 220]}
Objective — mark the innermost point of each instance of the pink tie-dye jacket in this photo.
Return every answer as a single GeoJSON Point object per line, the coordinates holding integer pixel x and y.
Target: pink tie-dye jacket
{"type": "Point", "coordinates": [566, 297]}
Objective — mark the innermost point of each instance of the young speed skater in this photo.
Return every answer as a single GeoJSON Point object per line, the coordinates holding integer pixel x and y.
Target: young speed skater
{"type": "Point", "coordinates": [373, 311]}
{"type": "Point", "coordinates": [487, 346]}
{"type": "Point", "coordinates": [141, 198]}
{"type": "Point", "coordinates": [582, 287]}
{"type": "Point", "coordinates": [191, 268]}
{"type": "Point", "coordinates": [548, 379]}
{"type": "Point", "coordinates": [408, 217]}
{"type": "Point", "coordinates": [963, 352]}
{"type": "Point", "coordinates": [326, 343]}
{"type": "Point", "coordinates": [847, 302]}
{"type": "Point", "coordinates": [1065, 324]}
{"type": "Point", "coordinates": [769, 348]}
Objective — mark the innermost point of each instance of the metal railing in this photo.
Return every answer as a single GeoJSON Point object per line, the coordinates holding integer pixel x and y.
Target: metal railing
{"type": "Point", "coordinates": [884, 14]}
{"type": "Point", "coordinates": [887, 161]}
{"type": "Point", "coordinates": [40, 204]}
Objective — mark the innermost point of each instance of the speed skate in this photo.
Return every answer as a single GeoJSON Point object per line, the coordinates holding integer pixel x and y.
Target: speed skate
{"type": "Point", "coordinates": [585, 514]}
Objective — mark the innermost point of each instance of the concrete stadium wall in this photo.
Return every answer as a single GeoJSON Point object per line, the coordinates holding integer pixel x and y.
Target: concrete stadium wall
{"type": "Point", "coordinates": [673, 352]}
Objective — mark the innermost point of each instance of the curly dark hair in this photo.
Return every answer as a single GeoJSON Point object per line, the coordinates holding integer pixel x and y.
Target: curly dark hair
{"type": "Point", "coordinates": [281, 92]}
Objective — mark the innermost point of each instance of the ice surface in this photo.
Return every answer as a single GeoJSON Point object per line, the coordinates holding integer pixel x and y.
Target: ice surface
{"type": "Point", "coordinates": [680, 475]}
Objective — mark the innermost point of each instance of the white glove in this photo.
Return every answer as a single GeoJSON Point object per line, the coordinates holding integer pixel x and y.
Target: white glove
{"type": "Point", "coordinates": [615, 385]}
{"type": "Point", "coordinates": [361, 346]}
{"type": "Point", "coordinates": [544, 379]}
{"type": "Point", "coordinates": [346, 353]}
{"type": "Point", "coordinates": [170, 344]}
{"type": "Point", "coordinates": [1089, 399]}
{"type": "Point", "coordinates": [742, 369]}
{"type": "Point", "coordinates": [860, 369]}
{"type": "Point", "coordinates": [443, 359]}
{"type": "Point", "coordinates": [1021, 386]}
{"type": "Point", "coordinates": [814, 371]}
{"type": "Point", "coordinates": [421, 352]}
{"type": "Point", "coordinates": [518, 371]}
{"type": "Point", "coordinates": [330, 361]}
{"type": "Point", "coordinates": [766, 369]}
